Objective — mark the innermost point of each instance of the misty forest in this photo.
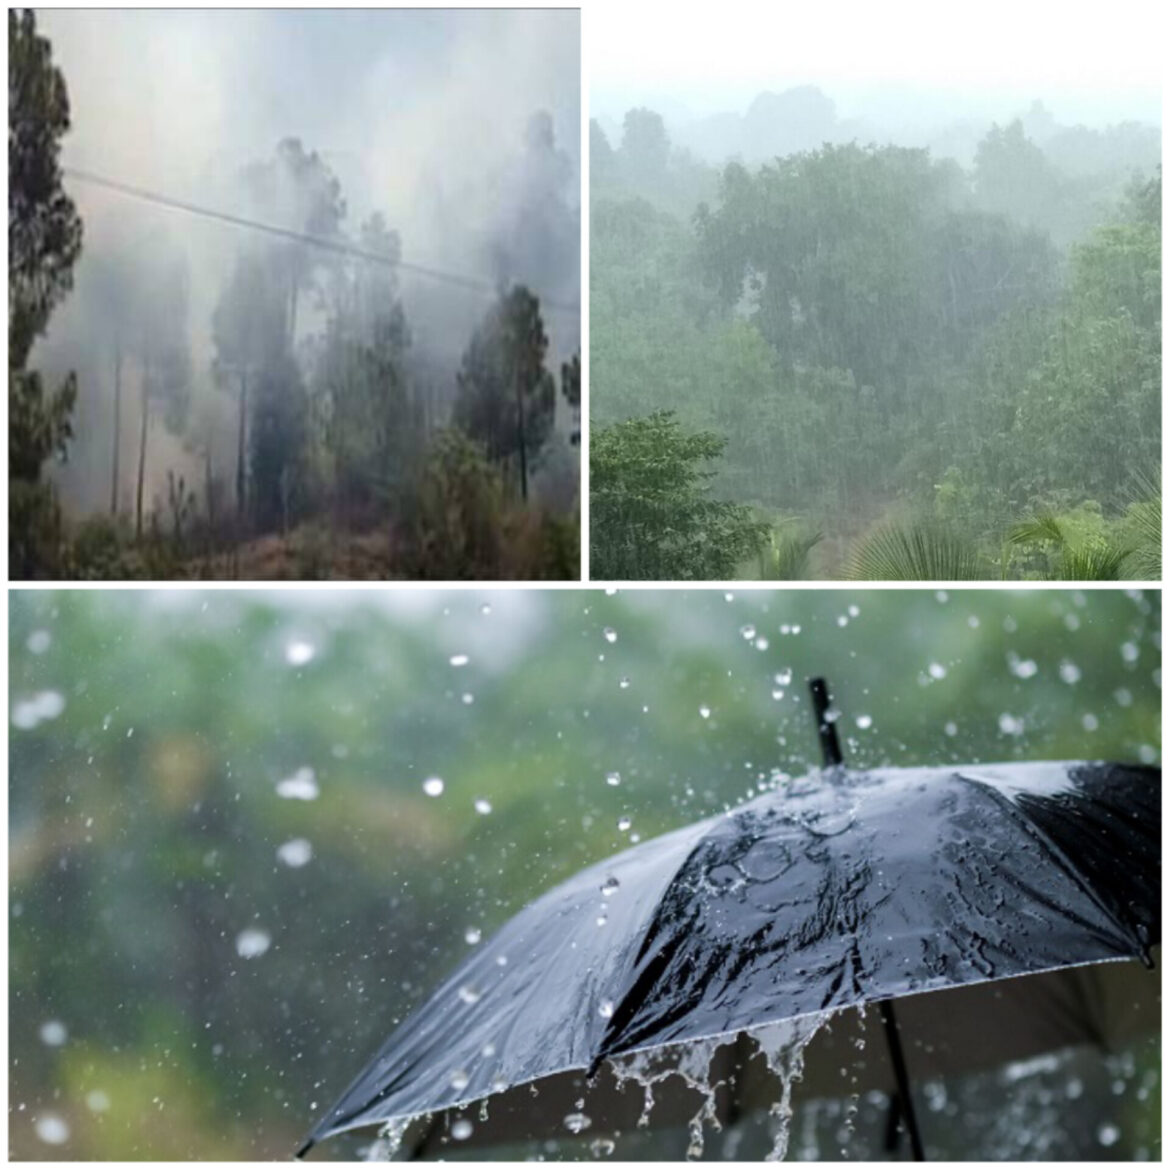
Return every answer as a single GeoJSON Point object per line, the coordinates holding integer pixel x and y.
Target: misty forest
{"type": "Point", "coordinates": [822, 347]}
{"type": "Point", "coordinates": [294, 295]}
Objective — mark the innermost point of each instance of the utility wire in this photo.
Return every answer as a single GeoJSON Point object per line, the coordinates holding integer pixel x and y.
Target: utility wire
{"type": "Point", "coordinates": [340, 247]}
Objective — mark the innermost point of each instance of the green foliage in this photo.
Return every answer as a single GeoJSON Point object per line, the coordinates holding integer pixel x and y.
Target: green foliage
{"type": "Point", "coordinates": [651, 514]}
{"type": "Point", "coordinates": [372, 426]}
{"type": "Point", "coordinates": [277, 433]}
{"type": "Point", "coordinates": [507, 399]}
{"type": "Point", "coordinates": [919, 552]}
{"type": "Point", "coordinates": [786, 551]}
{"type": "Point", "coordinates": [1143, 528]}
{"type": "Point", "coordinates": [44, 241]}
{"type": "Point", "coordinates": [454, 531]}
{"type": "Point", "coordinates": [1072, 550]}
{"type": "Point", "coordinates": [878, 335]}
{"type": "Point", "coordinates": [44, 229]}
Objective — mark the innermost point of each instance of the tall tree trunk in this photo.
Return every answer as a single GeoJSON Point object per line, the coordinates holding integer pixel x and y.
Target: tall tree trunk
{"type": "Point", "coordinates": [142, 454]}
{"type": "Point", "coordinates": [241, 447]}
{"type": "Point", "coordinates": [207, 487]}
{"type": "Point", "coordinates": [117, 424]}
{"type": "Point", "coordinates": [520, 439]}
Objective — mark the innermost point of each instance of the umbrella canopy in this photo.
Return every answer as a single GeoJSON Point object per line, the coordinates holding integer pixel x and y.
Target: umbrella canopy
{"type": "Point", "coordinates": [829, 892]}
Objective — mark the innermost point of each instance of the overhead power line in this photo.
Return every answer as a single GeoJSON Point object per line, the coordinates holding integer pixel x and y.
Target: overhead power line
{"type": "Point", "coordinates": [340, 247]}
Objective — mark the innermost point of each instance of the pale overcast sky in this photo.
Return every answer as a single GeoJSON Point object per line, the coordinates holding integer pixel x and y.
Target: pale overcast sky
{"type": "Point", "coordinates": [1099, 62]}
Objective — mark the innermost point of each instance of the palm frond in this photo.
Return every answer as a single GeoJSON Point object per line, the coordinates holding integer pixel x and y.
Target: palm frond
{"type": "Point", "coordinates": [785, 556]}
{"type": "Point", "coordinates": [917, 553]}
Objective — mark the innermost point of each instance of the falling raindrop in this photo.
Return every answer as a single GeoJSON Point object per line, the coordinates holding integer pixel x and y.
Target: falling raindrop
{"type": "Point", "coordinates": [298, 653]}
{"type": "Point", "coordinates": [609, 634]}
{"type": "Point", "coordinates": [301, 785]}
{"type": "Point", "coordinates": [865, 722]}
{"type": "Point", "coordinates": [472, 935]}
{"type": "Point", "coordinates": [577, 1122]}
{"type": "Point", "coordinates": [295, 853]}
{"type": "Point", "coordinates": [433, 786]}
{"type": "Point", "coordinates": [252, 942]}
{"type": "Point", "coordinates": [936, 670]}
{"type": "Point", "coordinates": [705, 711]}
{"type": "Point", "coordinates": [459, 660]}
{"type": "Point", "coordinates": [1011, 725]}
{"type": "Point", "coordinates": [483, 807]}
{"type": "Point", "coordinates": [747, 633]}
{"type": "Point", "coordinates": [1070, 672]}
{"type": "Point", "coordinates": [462, 1129]}
{"type": "Point", "coordinates": [624, 683]}
{"type": "Point", "coordinates": [613, 779]}
{"type": "Point", "coordinates": [97, 1101]}
{"type": "Point", "coordinates": [623, 824]}
{"type": "Point", "coordinates": [52, 1130]}
{"type": "Point", "coordinates": [54, 1033]}
{"type": "Point", "coordinates": [39, 641]}
{"type": "Point", "coordinates": [1108, 1135]}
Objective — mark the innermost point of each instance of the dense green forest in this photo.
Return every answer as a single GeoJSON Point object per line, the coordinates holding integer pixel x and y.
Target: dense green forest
{"type": "Point", "coordinates": [227, 882]}
{"type": "Point", "coordinates": [876, 361]}
{"type": "Point", "coordinates": [227, 403]}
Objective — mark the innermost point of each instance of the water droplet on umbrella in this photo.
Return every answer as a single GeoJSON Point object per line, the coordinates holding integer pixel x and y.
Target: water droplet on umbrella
{"type": "Point", "coordinates": [459, 1080]}
{"type": "Point", "coordinates": [605, 1009]}
{"type": "Point", "coordinates": [469, 994]}
{"type": "Point", "coordinates": [609, 887]}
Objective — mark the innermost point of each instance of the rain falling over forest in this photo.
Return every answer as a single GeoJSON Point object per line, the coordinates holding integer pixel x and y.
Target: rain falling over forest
{"type": "Point", "coordinates": [252, 833]}
{"type": "Point", "coordinates": [861, 311]}
{"type": "Point", "coordinates": [305, 299]}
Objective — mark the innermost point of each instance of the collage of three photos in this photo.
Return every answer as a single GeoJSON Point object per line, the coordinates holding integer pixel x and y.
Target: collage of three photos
{"type": "Point", "coordinates": [584, 613]}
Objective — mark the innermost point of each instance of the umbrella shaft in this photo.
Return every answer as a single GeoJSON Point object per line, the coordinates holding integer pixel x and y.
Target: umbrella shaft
{"type": "Point", "coordinates": [894, 1040]}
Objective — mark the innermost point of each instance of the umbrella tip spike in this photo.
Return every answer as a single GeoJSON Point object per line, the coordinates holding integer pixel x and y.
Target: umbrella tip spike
{"type": "Point", "coordinates": [826, 727]}
{"type": "Point", "coordinates": [299, 1156]}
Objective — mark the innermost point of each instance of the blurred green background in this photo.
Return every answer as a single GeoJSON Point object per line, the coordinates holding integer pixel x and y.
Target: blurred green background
{"type": "Point", "coordinates": [186, 981]}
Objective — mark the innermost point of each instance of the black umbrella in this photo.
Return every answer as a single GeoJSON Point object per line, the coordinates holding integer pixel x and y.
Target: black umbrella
{"type": "Point", "coordinates": [930, 886]}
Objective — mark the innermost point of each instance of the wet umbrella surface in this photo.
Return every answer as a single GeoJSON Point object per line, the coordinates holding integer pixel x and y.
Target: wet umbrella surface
{"type": "Point", "coordinates": [836, 890]}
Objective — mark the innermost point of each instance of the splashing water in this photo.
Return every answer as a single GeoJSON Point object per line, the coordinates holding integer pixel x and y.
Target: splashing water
{"type": "Point", "coordinates": [691, 1062]}
{"type": "Point", "coordinates": [782, 1046]}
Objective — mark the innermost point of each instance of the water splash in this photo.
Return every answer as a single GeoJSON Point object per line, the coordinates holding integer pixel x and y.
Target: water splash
{"type": "Point", "coordinates": [782, 1045]}
{"type": "Point", "coordinates": [691, 1062]}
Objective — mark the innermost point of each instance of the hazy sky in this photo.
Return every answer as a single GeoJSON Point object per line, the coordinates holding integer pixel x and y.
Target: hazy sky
{"type": "Point", "coordinates": [1092, 63]}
